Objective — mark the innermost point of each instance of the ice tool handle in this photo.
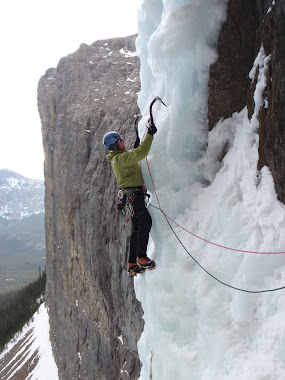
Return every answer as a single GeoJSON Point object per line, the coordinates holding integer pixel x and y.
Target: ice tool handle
{"type": "Point", "coordinates": [137, 119]}
{"type": "Point", "coordinates": [151, 105]}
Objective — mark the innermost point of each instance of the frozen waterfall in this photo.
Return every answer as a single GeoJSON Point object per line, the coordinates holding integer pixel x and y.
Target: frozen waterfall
{"type": "Point", "coordinates": [196, 328]}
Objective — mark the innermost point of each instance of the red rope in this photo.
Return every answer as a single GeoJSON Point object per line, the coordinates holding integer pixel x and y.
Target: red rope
{"type": "Point", "coordinates": [198, 237]}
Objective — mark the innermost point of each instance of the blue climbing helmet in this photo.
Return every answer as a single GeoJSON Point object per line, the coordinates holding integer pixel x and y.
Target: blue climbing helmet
{"type": "Point", "coordinates": [111, 139]}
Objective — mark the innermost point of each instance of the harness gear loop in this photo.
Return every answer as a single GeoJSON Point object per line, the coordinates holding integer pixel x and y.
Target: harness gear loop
{"type": "Point", "coordinates": [121, 203]}
{"type": "Point", "coordinates": [126, 197]}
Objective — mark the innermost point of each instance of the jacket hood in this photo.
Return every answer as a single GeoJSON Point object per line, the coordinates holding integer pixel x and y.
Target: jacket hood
{"type": "Point", "coordinates": [113, 153]}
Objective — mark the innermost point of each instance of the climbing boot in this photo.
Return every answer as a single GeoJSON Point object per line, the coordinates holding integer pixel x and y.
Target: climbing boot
{"type": "Point", "coordinates": [145, 263]}
{"type": "Point", "coordinates": [135, 269]}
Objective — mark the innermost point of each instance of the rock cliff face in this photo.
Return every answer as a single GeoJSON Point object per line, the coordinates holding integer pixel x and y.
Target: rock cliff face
{"type": "Point", "coordinates": [250, 24]}
{"type": "Point", "coordinates": [95, 317]}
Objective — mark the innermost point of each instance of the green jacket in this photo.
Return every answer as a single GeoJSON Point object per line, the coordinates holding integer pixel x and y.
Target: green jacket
{"type": "Point", "coordinates": [125, 164]}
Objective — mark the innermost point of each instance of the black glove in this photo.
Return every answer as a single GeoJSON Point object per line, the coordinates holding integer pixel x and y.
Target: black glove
{"type": "Point", "coordinates": [152, 129]}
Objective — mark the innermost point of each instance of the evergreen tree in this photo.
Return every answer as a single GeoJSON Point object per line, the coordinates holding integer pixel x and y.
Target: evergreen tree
{"type": "Point", "coordinates": [18, 306]}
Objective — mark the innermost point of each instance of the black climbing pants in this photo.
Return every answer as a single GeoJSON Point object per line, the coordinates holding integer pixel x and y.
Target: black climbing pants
{"type": "Point", "coordinates": [141, 225]}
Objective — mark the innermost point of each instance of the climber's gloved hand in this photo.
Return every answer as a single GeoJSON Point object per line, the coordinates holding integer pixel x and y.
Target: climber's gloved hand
{"type": "Point", "coordinates": [152, 129]}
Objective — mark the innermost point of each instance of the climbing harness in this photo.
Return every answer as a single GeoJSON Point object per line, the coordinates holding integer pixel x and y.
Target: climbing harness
{"type": "Point", "coordinates": [168, 219]}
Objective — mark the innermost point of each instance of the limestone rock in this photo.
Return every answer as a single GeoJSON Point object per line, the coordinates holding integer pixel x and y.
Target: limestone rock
{"type": "Point", "coordinates": [95, 318]}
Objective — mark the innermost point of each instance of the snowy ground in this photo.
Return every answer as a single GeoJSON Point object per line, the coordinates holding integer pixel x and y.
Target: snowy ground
{"type": "Point", "coordinates": [29, 356]}
{"type": "Point", "coordinates": [195, 327]}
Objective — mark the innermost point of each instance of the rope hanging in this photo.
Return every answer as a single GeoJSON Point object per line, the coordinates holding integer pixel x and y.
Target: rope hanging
{"type": "Point", "coordinates": [167, 218]}
{"type": "Point", "coordinates": [199, 237]}
{"type": "Point", "coordinates": [205, 270]}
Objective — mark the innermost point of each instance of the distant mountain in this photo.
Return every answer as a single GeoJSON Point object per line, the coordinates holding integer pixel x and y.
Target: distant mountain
{"type": "Point", "coordinates": [20, 196]}
{"type": "Point", "coordinates": [22, 230]}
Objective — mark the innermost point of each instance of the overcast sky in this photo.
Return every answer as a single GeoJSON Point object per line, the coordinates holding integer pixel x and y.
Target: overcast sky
{"type": "Point", "coordinates": [35, 34]}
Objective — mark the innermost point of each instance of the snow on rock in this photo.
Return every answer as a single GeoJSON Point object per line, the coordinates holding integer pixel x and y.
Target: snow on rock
{"type": "Point", "coordinates": [128, 53]}
{"type": "Point", "coordinates": [29, 355]}
{"type": "Point", "coordinates": [196, 327]}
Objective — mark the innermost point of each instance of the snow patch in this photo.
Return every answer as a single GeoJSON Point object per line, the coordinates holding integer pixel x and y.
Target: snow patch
{"type": "Point", "coordinates": [128, 53]}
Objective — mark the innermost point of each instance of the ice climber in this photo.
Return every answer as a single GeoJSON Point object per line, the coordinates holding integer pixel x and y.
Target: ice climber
{"type": "Point", "coordinates": [129, 179]}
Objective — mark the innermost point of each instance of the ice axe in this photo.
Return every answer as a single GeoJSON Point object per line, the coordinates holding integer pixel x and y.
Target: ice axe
{"type": "Point", "coordinates": [138, 118]}
{"type": "Point", "coordinates": [151, 105]}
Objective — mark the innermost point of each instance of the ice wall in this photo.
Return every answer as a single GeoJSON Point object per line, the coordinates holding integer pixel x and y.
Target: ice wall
{"type": "Point", "coordinates": [195, 327]}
